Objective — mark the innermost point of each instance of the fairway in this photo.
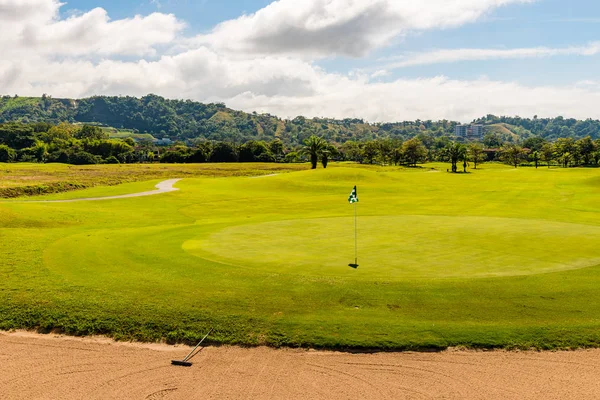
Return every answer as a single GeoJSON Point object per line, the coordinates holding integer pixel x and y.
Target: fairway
{"type": "Point", "coordinates": [495, 258]}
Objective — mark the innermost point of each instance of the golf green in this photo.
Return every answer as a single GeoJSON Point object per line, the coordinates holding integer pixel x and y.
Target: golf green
{"type": "Point", "coordinates": [407, 246]}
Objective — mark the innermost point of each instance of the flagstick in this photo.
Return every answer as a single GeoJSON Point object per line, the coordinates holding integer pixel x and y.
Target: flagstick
{"type": "Point", "coordinates": [355, 236]}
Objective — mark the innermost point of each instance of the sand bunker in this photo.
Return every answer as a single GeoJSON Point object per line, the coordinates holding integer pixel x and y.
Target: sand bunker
{"type": "Point", "coordinates": [55, 367]}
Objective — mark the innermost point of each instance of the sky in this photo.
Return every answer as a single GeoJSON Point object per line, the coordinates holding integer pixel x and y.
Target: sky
{"type": "Point", "coordinates": [380, 60]}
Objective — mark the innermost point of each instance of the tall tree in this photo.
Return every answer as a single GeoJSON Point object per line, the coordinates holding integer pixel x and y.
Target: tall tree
{"type": "Point", "coordinates": [548, 153]}
{"type": "Point", "coordinates": [455, 152]}
{"type": "Point", "coordinates": [512, 154]}
{"type": "Point", "coordinates": [535, 157]}
{"type": "Point", "coordinates": [565, 149]}
{"type": "Point", "coordinates": [476, 154]}
{"type": "Point", "coordinates": [586, 147]}
{"type": "Point", "coordinates": [313, 147]}
{"type": "Point", "coordinates": [414, 152]}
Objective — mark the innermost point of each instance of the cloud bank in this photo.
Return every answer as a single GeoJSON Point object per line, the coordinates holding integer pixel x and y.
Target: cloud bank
{"type": "Point", "coordinates": [265, 61]}
{"type": "Point", "coordinates": [458, 55]}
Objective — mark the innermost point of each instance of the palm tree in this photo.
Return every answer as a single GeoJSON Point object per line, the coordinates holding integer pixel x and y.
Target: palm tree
{"type": "Point", "coordinates": [456, 152]}
{"type": "Point", "coordinates": [314, 147]}
{"type": "Point", "coordinates": [465, 159]}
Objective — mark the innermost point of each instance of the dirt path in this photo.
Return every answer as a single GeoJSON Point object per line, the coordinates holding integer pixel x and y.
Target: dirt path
{"type": "Point", "coordinates": [162, 187]}
{"type": "Point", "coordinates": [55, 367]}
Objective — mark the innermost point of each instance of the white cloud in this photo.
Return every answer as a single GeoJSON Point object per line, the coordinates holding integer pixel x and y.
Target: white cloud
{"type": "Point", "coordinates": [32, 27]}
{"type": "Point", "coordinates": [29, 11]}
{"type": "Point", "coordinates": [289, 87]}
{"type": "Point", "coordinates": [457, 55]}
{"type": "Point", "coordinates": [324, 28]}
{"type": "Point", "coordinates": [82, 56]}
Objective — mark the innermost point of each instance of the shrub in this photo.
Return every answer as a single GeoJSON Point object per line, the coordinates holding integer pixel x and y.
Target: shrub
{"type": "Point", "coordinates": [171, 157]}
{"type": "Point", "coordinates": [197, 156]}
{"type": "Point", "coordinates": [112, 160]}
{"type": "Point", "coordinates": [223, 152]}
{"type": "Point", "coordinates": [60, 156]}
{"type": "Point", "coordinates": [82, 158]}
{"type": "Point", "coordinates": [255, 151]}
{"type": "Point", "coordinates": [7, 154]}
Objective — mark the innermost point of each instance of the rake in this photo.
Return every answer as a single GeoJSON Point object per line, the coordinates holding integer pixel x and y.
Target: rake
{"type": "Point", "coordinates": [185, 362]}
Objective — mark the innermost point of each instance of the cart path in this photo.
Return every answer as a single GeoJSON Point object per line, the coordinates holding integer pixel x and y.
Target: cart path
{"type": "Point", "coordinates": [57, 367]}
{"type": "Point", "coordinates": [162, 187]}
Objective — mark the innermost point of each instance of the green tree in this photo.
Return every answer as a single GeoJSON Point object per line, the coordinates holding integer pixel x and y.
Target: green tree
{"type": "Point", "coordinates": [91, 132]}
{"type": "Point", "coordinates": [370, 151]}
{"type": "Point", "coordinates": [223, 152]}
{"type": "Point", "coordinates": [512, 154]}
{"type": "Point", "coordinates": [325, 157]}
{"type": "Point", "coordinates": [534, 143]}
{"type": "Point", "coordinates": [548, 153]}
{"type": "Point", "coordinates": [454, 153]}
{"type": "Point", "coordinates": [351, 151]}
{"type": "Point", "coordinates": [254, 151]}
{"type": "Point", "coordinates": [565, 149]}
{"type": "Point", "coordinates": [7, 154]}
{"type": "Point", "coordinates": [535, 157]}
{"type": "Point", "coordinates": [492, 141]}
{"type": "Point", "coordinates": [277, 148]}
{"type": "Point", "coordinates": [476, 154]}
{"type": "Point", "coordinates": [413, 151]}
{"type": "Point", "coordinates": [586, 147]}
{"type": "Point", "coordinates": [313, 147]}
{"type": "Point", "coordinates": [83, 158]}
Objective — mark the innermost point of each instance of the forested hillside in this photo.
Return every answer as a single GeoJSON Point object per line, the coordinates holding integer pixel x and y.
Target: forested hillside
{"type": "Point", "coordinates": [185, 119]}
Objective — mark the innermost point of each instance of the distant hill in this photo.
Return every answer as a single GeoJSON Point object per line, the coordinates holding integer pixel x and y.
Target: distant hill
{"type": "Point", "coordinates": [508, 132]}
{"type": "Point", "coordinates": [185, 119]}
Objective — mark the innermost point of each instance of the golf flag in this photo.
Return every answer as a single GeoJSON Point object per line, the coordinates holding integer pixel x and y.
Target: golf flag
{"type": "Point", "coordinates": [353, 196]}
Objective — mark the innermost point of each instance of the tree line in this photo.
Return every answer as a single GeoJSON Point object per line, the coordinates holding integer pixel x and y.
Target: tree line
{"type": "Point", "coordinates": [86, 144]}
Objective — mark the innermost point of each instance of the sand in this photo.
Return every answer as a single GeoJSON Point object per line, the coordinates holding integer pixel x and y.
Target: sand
{"type": "Point", "coordinates": [57, 367]}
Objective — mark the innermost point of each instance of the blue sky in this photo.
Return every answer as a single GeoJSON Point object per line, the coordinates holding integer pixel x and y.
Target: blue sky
{"type": "Point", "coordinates": [375, 59]}
{"type": "Point", "coordinates": [549, 23]}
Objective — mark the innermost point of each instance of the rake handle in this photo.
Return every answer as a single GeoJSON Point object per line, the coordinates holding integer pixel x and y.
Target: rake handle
{"type": "Point", "coordinates": [198, 345]}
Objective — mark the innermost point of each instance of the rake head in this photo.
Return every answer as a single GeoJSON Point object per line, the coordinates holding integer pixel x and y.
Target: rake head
{"type": "Point", "coordinates": [181, 363]}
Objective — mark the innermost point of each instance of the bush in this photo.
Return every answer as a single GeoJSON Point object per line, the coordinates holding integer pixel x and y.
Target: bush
{"type": "Point", "coordinates": [112, 160]}
{"type": "Point", "coordinates": [255, 151]}
{"type": "Point", "coordinates": [7, 154]}
{"type": "Point", "coordinates": [294, 157]}
{"type": "Point", "coordinates": [60, 156]}
{"type": "Point", "coordinates": [171, 157]}
{"type": "Point", "coordinates": [36, 153]}
{"type": "Point", "coordinates": [266, 157]}
{"type": "Point", "coordinates": [223, 152]}
{"type": "Point", "coordinates": [82, 158]}
{"type": "Point", "coordinates": [197, 156]}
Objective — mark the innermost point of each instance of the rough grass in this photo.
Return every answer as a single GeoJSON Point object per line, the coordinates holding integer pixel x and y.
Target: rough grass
{"type": "Point", "coordinates": [496, 258]}
{"type": "Point", "coordinates": [25, 179]}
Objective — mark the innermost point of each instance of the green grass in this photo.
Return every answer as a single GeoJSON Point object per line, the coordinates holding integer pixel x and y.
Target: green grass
{"type": "Point", "coordinates": [496, 258]}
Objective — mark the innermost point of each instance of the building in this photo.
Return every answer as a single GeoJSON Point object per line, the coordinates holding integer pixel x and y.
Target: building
{"type": "Point", "coordinates": [461, 131]}
{"type": "Point", "coordinates": [470, 132]}
{"type": "Point", "coordinates": [476, 132]}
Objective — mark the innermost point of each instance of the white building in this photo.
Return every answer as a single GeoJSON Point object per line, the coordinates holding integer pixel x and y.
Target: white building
{"type": "Point", "coordinates": [470, 132]}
